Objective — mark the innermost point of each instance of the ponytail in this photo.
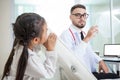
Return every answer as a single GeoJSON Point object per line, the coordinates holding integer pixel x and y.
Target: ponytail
{"type": "Point", "coordinates": [9, 61]}
{"type": "Point", "coordinates": [22, 63]}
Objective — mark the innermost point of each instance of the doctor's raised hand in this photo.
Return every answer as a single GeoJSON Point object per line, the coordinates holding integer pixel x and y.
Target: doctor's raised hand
{"type": "Point", "coordinates": [91, 33]}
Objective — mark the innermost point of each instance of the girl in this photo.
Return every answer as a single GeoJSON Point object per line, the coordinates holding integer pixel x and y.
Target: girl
{"type": "Point", "coordinates": [30, 31]}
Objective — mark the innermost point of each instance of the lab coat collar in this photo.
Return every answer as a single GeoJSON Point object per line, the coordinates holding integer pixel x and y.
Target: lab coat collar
{"type": "Point", "coordinates": [20, 48]}
{"type": "Point", "coordinates": [31, 52]}
{"type": "Point", "coordinates": [75, 29]}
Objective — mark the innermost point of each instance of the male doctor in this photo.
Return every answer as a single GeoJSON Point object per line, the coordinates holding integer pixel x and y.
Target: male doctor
{"type": "Point", "coordinates": [78, 41]}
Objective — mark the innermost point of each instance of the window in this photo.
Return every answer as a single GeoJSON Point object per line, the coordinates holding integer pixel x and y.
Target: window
{"type": "Point", "coordinates": [56, 12]}
{"type": "Point", "coordinates": [105, 14]}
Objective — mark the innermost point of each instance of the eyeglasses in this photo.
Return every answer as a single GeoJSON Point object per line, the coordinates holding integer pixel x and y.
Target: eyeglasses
{"type": "Point", "coordinates": [78, 15]}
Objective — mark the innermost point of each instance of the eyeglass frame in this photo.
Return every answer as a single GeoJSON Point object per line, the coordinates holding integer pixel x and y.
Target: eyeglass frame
{"type": "Point", "coordinates": [79, 15]}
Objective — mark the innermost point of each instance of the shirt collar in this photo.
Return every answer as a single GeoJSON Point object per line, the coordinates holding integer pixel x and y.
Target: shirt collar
{"type": "Point", "coordinates": [75, 29]}
{"type": "Point", "coordinates": [31, 52]}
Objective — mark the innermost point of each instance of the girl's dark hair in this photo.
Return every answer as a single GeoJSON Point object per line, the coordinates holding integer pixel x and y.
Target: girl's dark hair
{"type": "Point", "coordinates": [26, 27]}
{"type": "Point", "coordinates": [77, 6]}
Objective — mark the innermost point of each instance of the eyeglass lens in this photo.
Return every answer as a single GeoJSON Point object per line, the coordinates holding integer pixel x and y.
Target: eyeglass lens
{"type": "Point", "coordinates": [78, 15]}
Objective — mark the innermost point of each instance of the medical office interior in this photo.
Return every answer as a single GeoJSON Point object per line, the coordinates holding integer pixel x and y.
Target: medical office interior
{"type": "Point", "coordinates": [104, 13]}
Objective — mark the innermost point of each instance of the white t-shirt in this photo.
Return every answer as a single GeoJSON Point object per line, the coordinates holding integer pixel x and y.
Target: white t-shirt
{"type": "Point", "coordinates": [35, 69]}
{"type": "Point", "coordinates": [83, 51]}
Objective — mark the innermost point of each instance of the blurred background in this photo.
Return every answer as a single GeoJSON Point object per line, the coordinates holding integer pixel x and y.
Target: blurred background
{"type": "Point", "coordinates": [104, 13]}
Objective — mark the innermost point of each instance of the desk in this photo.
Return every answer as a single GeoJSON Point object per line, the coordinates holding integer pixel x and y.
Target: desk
{"type": "Point", "coordinates": [115, 62]}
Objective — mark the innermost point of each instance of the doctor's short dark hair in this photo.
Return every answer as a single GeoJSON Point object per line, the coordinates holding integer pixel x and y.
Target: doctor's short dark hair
{"type": "Point", "coordinates": [77, 6]}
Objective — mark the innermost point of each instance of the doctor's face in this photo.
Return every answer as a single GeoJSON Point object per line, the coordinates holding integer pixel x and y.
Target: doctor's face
{"type": "Point", "coordinates": [78, 17]}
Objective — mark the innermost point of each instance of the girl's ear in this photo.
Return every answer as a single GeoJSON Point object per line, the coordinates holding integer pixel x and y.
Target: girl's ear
{"type": "Point", "coordinates": [36, 40]}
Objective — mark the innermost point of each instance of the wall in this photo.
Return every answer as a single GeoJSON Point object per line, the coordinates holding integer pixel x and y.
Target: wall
{"type": "Point", "coordinates": [5, 40]}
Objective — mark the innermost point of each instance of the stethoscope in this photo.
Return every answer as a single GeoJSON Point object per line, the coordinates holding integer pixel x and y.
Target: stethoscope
{"type": "Point", "coordinates": [74, 36]}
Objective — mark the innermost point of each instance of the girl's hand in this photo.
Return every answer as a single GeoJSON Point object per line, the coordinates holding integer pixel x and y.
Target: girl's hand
{"type": "Point", "coordinates": [51, 41]}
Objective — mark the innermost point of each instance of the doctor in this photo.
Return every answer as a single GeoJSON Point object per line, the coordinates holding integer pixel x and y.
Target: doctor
{"type": "Point", "coordinates": [78, 41]}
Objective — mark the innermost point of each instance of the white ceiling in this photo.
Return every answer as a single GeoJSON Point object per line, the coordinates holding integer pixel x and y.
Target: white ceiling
{"type": "Point", "coordinates": [93, 2]}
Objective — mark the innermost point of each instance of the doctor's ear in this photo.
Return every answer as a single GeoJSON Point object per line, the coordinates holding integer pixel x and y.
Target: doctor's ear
{"type": "Point", "coordinates": [71, 17]}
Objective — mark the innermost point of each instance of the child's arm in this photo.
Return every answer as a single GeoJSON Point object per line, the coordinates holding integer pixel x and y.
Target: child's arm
{"type": "Point", "coordinates": [37, 69]}
{"type": "Point", "coordinates": [47, 70]}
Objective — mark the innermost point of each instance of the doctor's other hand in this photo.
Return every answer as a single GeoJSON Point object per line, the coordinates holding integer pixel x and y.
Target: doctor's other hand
{"type": "Point", "coordinates": [103, 67]}
{"type": "Point", "coordinates": [51, 41]}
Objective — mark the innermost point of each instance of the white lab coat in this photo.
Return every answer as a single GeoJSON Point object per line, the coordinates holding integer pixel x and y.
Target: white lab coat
{"type": "Point", "coordinates": [82, 50]}
{"type": "Point", "coordinates": [36, 69]}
